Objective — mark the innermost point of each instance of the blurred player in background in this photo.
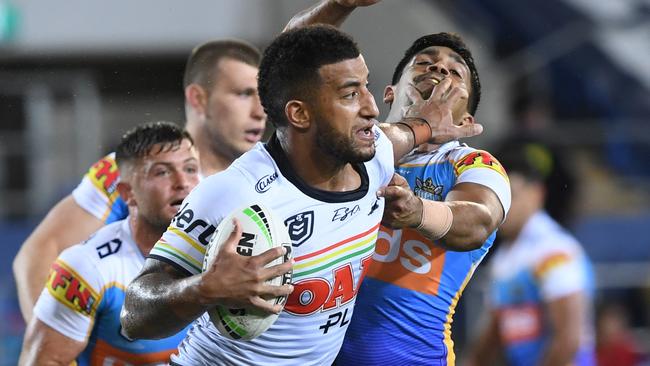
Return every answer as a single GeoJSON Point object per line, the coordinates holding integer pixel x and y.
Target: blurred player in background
{"type": "Point", "coordinates": [440, 219]}
{"type": "Point", "coordinates": [328, 158]}
{"type": "Point", "coordinates": [77, 315]}
{"type": "Point", "coordinates": [225, 118]}
{"type": "Point", "coordinates": [541, 282]}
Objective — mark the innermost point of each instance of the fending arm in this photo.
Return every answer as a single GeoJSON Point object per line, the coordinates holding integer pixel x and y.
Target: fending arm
{"type": "Point", "coordinates": [332, 12]}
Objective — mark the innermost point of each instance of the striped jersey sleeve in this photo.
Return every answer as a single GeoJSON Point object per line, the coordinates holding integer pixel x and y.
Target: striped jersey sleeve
{"type": "Point", "coordinates": [184, 243]}
{"type": "Point", "coordinates": [97, 192]}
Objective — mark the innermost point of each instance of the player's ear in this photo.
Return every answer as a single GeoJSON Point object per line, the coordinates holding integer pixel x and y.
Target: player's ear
{"type": "Point", "coordinates": [389, 94]}
{"type": "Point", "coordinates": [196, 97]}
{"type": "Point", "coordinates": [126, 192]}
{"type": "Point", "coordinates": [297, 113]}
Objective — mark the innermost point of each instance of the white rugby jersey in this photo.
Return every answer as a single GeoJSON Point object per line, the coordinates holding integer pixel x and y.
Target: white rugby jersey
{"type": "Point", "coordinates": [333, 236]}
{"type": "Point", "coordinates": [84, 295]}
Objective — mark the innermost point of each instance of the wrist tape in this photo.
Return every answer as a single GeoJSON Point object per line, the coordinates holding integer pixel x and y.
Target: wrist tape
{"type": "Point", "coordinates": [437, 218]}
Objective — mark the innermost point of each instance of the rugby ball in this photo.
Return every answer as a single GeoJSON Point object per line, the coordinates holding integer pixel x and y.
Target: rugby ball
{"type": "Point", "coordinates": [261, 231]}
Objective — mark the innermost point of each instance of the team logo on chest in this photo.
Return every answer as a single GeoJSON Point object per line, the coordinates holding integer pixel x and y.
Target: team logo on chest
{"type": "Point", "coordinates": [300, 227]}
{"type": "Point", "coordinates": [427, 190]}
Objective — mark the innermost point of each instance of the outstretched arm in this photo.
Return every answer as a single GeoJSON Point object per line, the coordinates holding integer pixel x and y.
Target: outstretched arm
{"type": "Point", "coordinates": [54, 234]}
{"type": "Point", "coordinates": [162, 300]}
{"type": "Point", "coordinates": [470, 213]}
{"type": "Point", "coordinates": [333, 12]}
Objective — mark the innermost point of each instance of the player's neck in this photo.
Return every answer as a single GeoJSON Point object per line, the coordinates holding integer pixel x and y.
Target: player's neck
{"type": "Point", "coordinates": [209, 161]}
{"type": "Point", "coordinates": [320, 170]}
{"type": "Point", "coordinates": [144, 234]}
{"type": "Point", "coordinates": [212, 163]}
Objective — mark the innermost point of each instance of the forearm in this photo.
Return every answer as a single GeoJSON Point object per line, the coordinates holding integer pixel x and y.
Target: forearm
{"type": "Point", "coordinates": [565, 316]}
{"type": "Point", "coordinates": [31, 267]}
{"type": "Point", "coordinates": [560, 352]}
{"type": "Point", "coordinates": [485, 351]}
{"type": "Point", "coordinates": [488, 345]}
{"type": "Point", "coordinates": [406, 135]}
{"type": "Point", "coordinates": [472, 225]}
{"type": "Point", "coordinates": [43, 345]}
{"type": "Point", "coordinates": [158, 306]}
{"type": "Point", "coordinates": [325, 12]}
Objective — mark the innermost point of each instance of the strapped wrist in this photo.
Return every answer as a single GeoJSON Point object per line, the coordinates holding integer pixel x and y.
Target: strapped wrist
{"type": "Point", "coordinates": [437, 218]}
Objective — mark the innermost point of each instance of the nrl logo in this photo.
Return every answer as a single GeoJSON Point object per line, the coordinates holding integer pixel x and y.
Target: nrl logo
{"type": "Point", "coordinates": [300, 227]}
{"type": "Point", "coordinates": [427, 190]}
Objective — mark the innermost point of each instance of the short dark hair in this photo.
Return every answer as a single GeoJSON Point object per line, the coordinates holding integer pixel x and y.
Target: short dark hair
{"type": "Point", "coordinates": [289, 67]}
{"type": "Point", "coordinates": [455, 43]}
{"type": "Point", "coordinates": [139, 141]}
{"type": "Point", "coordinates": [201, 64]}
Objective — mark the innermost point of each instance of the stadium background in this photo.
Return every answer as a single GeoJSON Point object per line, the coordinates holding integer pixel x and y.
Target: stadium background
{"type": "Point", "coordinates": [75, 75]}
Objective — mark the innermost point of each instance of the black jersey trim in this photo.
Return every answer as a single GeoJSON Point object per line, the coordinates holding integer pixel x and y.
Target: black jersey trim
{"type": "Point", "coordinates": [280, 158]}
{"type": "Point", "coordinates": [169, 261]}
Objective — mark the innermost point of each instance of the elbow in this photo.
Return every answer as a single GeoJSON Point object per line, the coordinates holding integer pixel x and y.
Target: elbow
{"type": "Point", "coordinates": [464, 243]}
{"type": "Point", "coordinates": [466, 240]}
{"type": "Point", "coordinates": [130, 330]}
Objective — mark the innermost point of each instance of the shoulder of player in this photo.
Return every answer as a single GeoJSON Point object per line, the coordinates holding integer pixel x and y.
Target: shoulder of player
{"type": "Point", "coordinates": [104, 173]}
{"type": "Point", "coordinates": [237, 179]}
{"type": "Point", "coordinates": [107, 240]}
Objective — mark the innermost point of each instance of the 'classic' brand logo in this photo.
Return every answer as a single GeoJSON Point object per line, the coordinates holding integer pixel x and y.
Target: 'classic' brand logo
{"type": "Point", "coordinates": [264, 183]}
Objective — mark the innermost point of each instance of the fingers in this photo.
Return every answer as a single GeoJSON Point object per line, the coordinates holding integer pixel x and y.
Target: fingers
{"type": "Point", "coordinates": [260, 304]}
{"type": "Point", "coordinates": [392, 193]}
{"type": "Point", "coordinates": [455, 94]}
{"type": "Point", "coordinates": [271, 255]}
{"type": "Point", "coordinates": [469, 130]}
{"type": "Point", "coordinates": [441, 89]}
{"type": "Point", "coordinates": [276, 270]}
{"type": "Point", "coordinates": [398, 181]}
{"type": "Point", "coordinates": [230, 245]}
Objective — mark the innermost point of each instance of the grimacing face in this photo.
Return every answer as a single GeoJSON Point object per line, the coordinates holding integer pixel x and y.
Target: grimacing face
{"type": "Point", "coordinates": [345, 111]}
{"type": "Point", "coordinates": [161, 181]}
{"type": "Point", "coordinates": [425, 71]}
{"type": "Point", "coordinates": [234, 117]}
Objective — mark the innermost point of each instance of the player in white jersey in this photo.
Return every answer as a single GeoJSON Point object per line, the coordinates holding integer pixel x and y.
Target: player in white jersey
{"type": "Point", "coordinates": [321, 171]}
{"type": "Point", "coordinates": [225, 119]}
{"type": "Point", "coordinates": [77, 315]}
{"type": "Point", "coordinates": [440, 217]}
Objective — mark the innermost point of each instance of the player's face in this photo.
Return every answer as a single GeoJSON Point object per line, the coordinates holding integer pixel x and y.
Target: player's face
{"type": "Point", "coordinates": [163, 180]}
{"type": "Point", "coordinates": [234, 117]}
{"type": "Point", "coordinates": [426, 70]}
{"type": "Point", "coordinates": [345, 112]}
